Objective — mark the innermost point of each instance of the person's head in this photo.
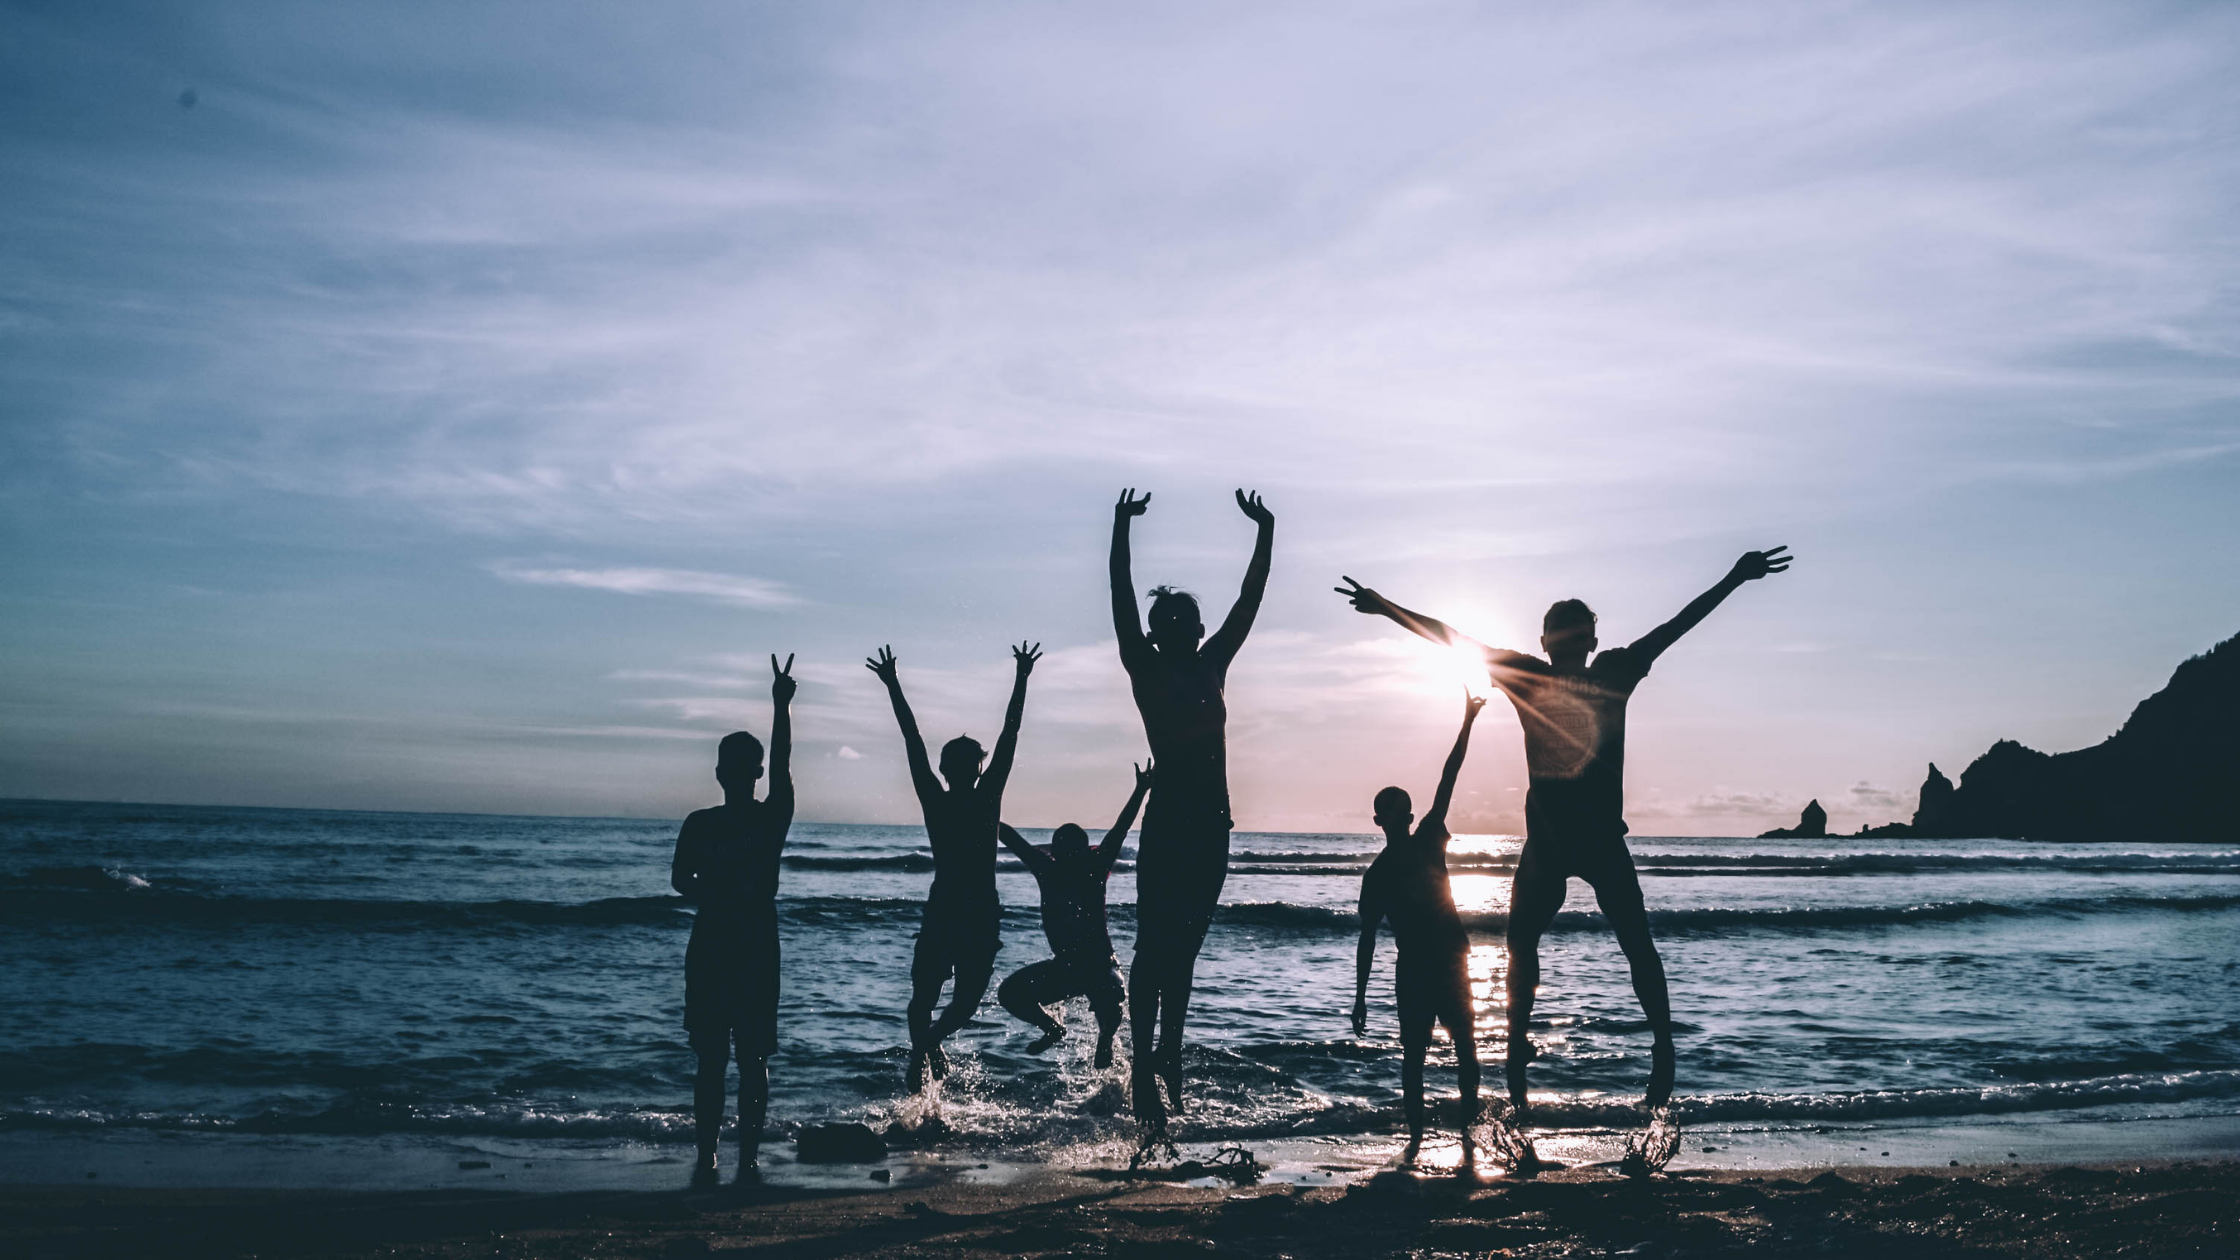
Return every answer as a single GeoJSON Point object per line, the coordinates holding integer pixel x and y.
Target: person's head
{"type": "Point", "coordinates": [1395, 810]}
{"type": "Point", "coordinates": [1069, 843]}
{"type": "Point", "coordinates": [960, 761]}
{"type": "Point", "coordinates": [1567, 632]}
{"type": "Point", "coordinates": [1174, 619]}
{"type": "Point", "coordinates": [738, 762]}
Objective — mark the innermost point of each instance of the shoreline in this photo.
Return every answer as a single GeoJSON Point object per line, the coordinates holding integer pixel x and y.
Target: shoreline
{"type": "Point", "coordinates": [2157, 1208]}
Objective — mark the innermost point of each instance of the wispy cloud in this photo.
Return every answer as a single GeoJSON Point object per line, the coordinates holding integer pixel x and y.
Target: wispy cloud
{"type": "Point", "coordinates": [727, 588]}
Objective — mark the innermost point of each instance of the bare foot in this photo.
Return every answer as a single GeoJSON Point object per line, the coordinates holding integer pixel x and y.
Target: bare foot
{"type": "Point", "coordinates": [1413, 1151]}
{"type": "Point", "coordinates": [1049, 1038]}
{"type": "Point", "coordinates": [1661, 1070]}
{"type": "Point", "coordinates": [1521, 1054]}
{"type": "Point", "coordinates": [1104, 1051]}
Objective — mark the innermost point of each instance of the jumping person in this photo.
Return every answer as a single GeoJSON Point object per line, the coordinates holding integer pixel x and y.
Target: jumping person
{"type": "Point", "coordinates": [963, 926]}
{"type": "Point", "coordinates": [1072, 878]}
{"type": "Point", "coordinates": [1431, 976]}
{"type": "Point", "coordinates": [726, 864]}
{"type": "Point", "coordinates": [1183, 854]}
{"type": "Point", "coordinates": [1574, 718]}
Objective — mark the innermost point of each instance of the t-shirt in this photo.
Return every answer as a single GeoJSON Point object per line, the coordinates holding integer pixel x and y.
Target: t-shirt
{"type": "Point", "coordinates": [1407, 883]}
{"type": "Point", "coordinates": [1073, 913]}
{"type": "Point", "coordinates": [734, 851]}
{"type": "Point", "coordinates": [961, 831]}
{"type": "Point", "coordinates": [1574, 738]}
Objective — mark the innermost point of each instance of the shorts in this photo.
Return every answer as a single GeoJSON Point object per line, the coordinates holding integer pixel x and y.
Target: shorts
{"type": "Point", "coordinates": [1434, 991]}
{"type": "Point", "coordinates": [1180, 869]}
{"type": "Point", "coordinates": [731, 991]}
{"type": "Point", "coordinates": [1053, 980]}
{"type": "Point", "coordinates": [1546, 865]}
{"type": "Point", "coordinates": [953, 943]}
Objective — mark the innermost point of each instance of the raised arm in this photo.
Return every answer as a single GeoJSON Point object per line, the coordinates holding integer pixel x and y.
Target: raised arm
{"type": "Point", "coordinates": [1435, 819]}
{"type": "Point", "coordinates": [1368, 601]}
{"type": "Point", "coordinates": [1127, 621]}
{"type": "Point", "coordinates": [1035, 859]}
{"type": "Point", "coordinates": [1372, 914]}
{"type": "Point", "coordinates": [913, 744]}
{"type": "Point", "coordinates": [998, 772]}
{"type": "Point", "coordinates": [1752, 566]}
{"type": "Point", "coordinates": [1108, 851]}
{"type": "Point", "coordinates": [779, 800]}
{"type": "Point", "coordinates": [1225, 642]}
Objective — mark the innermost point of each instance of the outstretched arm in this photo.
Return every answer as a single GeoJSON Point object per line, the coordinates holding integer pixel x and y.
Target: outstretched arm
{"type": "Point", "coordinates": [913, 744]}
{"type": "Point", "coordinates": [1108, 852]}
{"type": "Point", "coordinates": [1372, 913]}
{"type": "Point", "coordinates": [1036, 860]}
{"type": "Point", "coordinates": [1752, 566]}
{"type": "Point", "coordinates": [1368, 601]}
{"type": "Point", "coordinates": [1127, 622]}
{"type": "Point", "coordinates": [1225, 642]}
{"type": "Point", "coordinates": [779, 800]}
{"type": "Point", "coordinates": [1435, 820]}
{"type": "Point", "coordinates": [1007, 744]}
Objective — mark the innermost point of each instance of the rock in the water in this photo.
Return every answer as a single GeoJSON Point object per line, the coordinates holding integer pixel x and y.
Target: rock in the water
{"type": "Point", "coordinates": [1811, 825]}
{"type": "Point", "coordinates": [839, 1144]}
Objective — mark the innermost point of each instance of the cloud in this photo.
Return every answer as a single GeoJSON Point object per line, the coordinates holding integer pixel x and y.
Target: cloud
{"type": "Point", "coordinates": [1864, 794]}
{"type": "Point", "coordinates": [726, 588]}
{"type": "Point", "coordinates": [848, 754]}
{"type": "Point", "coordinates": [1715, 804]}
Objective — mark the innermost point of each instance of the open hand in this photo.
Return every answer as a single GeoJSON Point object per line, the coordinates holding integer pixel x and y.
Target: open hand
{"type": "Point", "coordinates": [1250, 505]}
{"type": "Point", "coordinates": [1143, 776]}
{"type": "Point", "coordinates": [1025, 656]}
{"type": "Point", "coordinates": [882, 664]}
{"type": "Point", "coordinates": [1364, 599]}
{"type": "Point", "coordinates": [1129, 505]}
{"type": "Point", "coordinates": [1756, 564]}
{"type": "Point", "coordinates": [781, 680]}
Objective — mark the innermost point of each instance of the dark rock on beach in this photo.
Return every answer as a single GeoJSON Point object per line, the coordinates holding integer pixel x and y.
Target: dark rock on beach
{"type": "Point", "coordinates": [839, 1144]}
{"type": "Point", "coordinates": [1811, 825]}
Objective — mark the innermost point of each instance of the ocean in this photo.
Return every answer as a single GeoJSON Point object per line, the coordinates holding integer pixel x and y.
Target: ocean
{"type": "Point", "coordinates": [466, 983]}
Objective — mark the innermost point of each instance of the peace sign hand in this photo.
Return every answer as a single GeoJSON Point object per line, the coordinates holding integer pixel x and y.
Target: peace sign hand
{"type": "Point", "coordinates": [781, 679]}
{"type": "Point", "coordinates": [1363, 599]}
{"type": "Point", "coordinates": [1130, 505]}
{"type": "Point", "coordinates": [1756, 564]}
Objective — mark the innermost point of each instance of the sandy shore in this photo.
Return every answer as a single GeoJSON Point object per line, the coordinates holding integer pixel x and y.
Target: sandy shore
{"type": "Point", "coordinates": [2168, 1209]}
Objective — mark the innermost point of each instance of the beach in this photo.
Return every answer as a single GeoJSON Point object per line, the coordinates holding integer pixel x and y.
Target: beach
{"type": "Point", "coordinates": [2149, 1209]}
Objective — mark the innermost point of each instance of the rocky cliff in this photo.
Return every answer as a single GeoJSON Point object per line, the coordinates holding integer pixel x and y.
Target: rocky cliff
{"type": "Point", "coordinates": [2171, 773]}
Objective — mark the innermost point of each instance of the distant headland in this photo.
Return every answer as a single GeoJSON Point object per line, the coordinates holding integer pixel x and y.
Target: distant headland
{"type": "Point", "coordinates": [2170, 773]}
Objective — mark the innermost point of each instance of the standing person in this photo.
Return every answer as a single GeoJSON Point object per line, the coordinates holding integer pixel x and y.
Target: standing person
{"type": "Point", "coordinates": [1183, 854]}
{"type": "Point", "coordinates": [1072, 879]}
{"type": "Point", "coordinates": [963, 924]}
{"type": "Point", "coordinates": [1431, 975]}
{"type": "Point", "coordinates": [1574, 718]}
{"type": "Point", "coordinates": [726, 864]}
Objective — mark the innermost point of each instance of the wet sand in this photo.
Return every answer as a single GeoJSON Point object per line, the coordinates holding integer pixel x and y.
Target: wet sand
{"type": "Point", "coordinates": [2166, 1209]}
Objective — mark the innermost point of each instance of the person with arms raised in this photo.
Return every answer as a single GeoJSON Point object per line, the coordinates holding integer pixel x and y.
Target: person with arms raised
{"type": "Point", "coordinates": [1407, 884]}
{"type": "Point", "coordinates": [1574, 716]}
{"type": "Point", "coordinates": [726, 864]}
{"type": "Point", "coordinates": [963, 927]}
{"type": "Point", "coordinates": [1072, 878]}
{"type": "Point", "coordinates": [1182, 855]}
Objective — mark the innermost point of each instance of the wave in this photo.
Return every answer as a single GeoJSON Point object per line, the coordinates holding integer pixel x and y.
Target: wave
{"type": "Point", "coordinates": [648, 1122]}
{"type": "Point", "coordinates": [1681, 865]}
{"type": "Point", "coordinates": [891, 862]}
{"type": "Point", "coordinates": [1722, 920]}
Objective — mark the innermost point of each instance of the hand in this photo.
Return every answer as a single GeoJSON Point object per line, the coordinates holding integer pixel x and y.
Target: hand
{"type": "Point", "coordinates": [1361, 1017]}
{"type": "Point", "coordinates": [1143, 777]}
{"type": "Point", "coordinates": [1364, 599]}
{"type": "Point", "coordinates": [781, 681]}
{"type": "Point", "coordinates": [1129, 505]}
{"type": "Point", "coordinates": [1251, 506]}
{"type": "Point", "coordinates": [1471, 704]}
{"type": "Point", "coordinates": [1756, 564]}
{"type": "Point", "coordinates": [1025, 656]}
{"type": "Point", "coordinates": [882, 664]}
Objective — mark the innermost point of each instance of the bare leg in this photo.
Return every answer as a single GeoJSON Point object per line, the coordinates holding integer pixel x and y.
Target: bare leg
{"type": "Point", "coordinates": [1466, 1075]}
{"type": "Point", "coordinates": [1534, 898]}
{"type": "Point", "coordinates": [1621, 904]}
{"type": "Point", "coordinates": [707, 1106]}
{"type": "Point", "coordinates": [1105, 999]}
{"type": "Point", "coordinates": [754, 1106]}
{"type": "Point", "coordinates": [1145, 979]}
{"type": "Point", "coordinates": [925, 990]}
{"type": "Point", "coordinates": [1411, 1094]}
{"type": "Point", "coordinates": [1020, 995]}
{"type": "Point", "coordinates": [964, 1000]}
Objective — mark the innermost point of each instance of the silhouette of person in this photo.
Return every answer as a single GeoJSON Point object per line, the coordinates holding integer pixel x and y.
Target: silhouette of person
{"type": "Point", "coordinates": [1407, 884]}
{"type": "Point", "coordinates": [1182, 856]}
{"type": "Point", "coordinates": [1072, 878]}
{"type": "Point", "coordinates": [1574, 719]}
{"type": "Point", "coordinates": [963, 924]}
{"type": "Point", "coordinates": [726, 864]}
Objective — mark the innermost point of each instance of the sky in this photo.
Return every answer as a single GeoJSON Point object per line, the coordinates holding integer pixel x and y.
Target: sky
{"type": "Point", "coordinates": [450, 407]}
